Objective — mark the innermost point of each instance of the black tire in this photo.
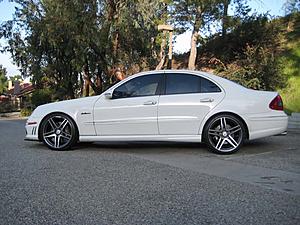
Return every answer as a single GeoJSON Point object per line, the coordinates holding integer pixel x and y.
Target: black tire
{"type": "Point", "coordinates": [224, 134]}
{"type": "Point", "coordinates": [58, 132]}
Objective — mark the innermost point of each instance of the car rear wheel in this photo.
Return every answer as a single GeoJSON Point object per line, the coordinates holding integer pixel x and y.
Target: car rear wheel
{"type": "Point", "coordinates": [224, 134]}
{"type": "Point", "coordinates": [58, 132]}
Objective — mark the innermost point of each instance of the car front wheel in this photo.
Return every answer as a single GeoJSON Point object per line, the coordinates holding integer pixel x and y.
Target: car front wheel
{"type": "Point", "coordinates": [58, 132]}
{"type": "Point", "coordinates": [224, 134]}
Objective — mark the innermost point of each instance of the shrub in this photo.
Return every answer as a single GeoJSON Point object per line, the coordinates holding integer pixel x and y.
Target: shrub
{"type": "Point", "coordinates": [41, 96]}
{"type": "Point", "coordinates": [258, 68]}
{"type": "Point", "coordinates": [8, 106]}
{"type": "Point", "coordinates": [26, 112]}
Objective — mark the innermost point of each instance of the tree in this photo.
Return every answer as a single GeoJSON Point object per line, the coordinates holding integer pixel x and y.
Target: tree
{"type": "Point", "coordinates": [195, 15]}
{"type": "Point", "coordinates": [74, 45]}
{"type": "Point", "coordinates": [250, 55]}
{"type": "Point", "coordinates": [291, 6]}
{"type": "Point", "coordinates": [16, 78]}
{"type": "Point", "coordinates": [3, 79]}
{"type": "Point", "coordinates": [241, 9]}
{"type": "Point", "coordinates": [225, 4]}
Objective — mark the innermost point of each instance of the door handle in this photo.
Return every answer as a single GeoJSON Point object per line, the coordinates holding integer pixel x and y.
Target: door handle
{"type": "Point", "coordinates": [150, 103]}
{"type": "Point", "coordinates": [206, 100]}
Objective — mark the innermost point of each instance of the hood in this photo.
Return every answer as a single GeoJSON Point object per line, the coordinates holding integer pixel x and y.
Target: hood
{"type": "Point", "coordinates": [67, 106]}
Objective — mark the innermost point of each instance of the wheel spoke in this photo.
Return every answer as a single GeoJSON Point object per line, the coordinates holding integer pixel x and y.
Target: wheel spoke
{"type": "Point", "coordinates": [223, 122]}
{"type": "Point", "coordinates": [231, 141]}
{"type": "Point", "coordinates": [50, 135]}
{"type": "Point", "coordinates": [235, 129]}
{"type": "Point", "coordinates": [63, 124]}
{"type": "Point", "coordinates": [52, 123]}
{"type": "Point", "coordinates": [66, 135]}
{"type": "Point", "coordinates": [220, 143]}
{"type": "Point", "coordinates": [213, 132]}
{"type": "Point", "coordinates": [57, 142]}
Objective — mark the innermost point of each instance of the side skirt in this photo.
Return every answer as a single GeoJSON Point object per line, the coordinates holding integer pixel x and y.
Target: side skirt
{"type": "Point", "coordinates": [175, 138]}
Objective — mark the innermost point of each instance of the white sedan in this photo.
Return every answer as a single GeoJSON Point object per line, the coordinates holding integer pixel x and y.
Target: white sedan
{"type": "Point", "coordinates": [169, 105]}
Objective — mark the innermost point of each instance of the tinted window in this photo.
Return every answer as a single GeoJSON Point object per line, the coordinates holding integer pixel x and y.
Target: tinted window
{"type": "Point", "coordinates": [207, 86]}
{"type": "Point", "coordinates": [141, 86]}
{"type": "Point", "coordinates": [182, 84]}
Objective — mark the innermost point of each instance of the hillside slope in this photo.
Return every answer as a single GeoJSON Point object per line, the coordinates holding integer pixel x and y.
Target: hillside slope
{"type": "Point", "coordinates": [291, 68]}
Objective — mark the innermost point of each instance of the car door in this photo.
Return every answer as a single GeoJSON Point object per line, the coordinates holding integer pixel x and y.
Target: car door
{"type": "Point", "coordinates": [132, 110]}
{"type": "Point", "coordinates": [187, 100]}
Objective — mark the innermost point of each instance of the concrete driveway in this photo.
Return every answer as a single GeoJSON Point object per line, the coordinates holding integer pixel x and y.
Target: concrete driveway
{"type": "Point", "coordinates": [147, 183]}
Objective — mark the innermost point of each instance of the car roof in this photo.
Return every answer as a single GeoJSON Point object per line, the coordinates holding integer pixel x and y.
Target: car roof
{"type": "Point", "coordinates": [195, 72]}
{"type": "Point", "coordinates": [223, 82]}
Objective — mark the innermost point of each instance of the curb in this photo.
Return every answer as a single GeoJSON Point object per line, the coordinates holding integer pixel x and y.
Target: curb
{"type": "Point", "coordinates": [294, 123]}
{"type": "Point", "coordinates": [11, 115]}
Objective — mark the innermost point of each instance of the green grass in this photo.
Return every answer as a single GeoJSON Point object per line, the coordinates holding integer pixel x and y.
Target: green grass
{"type": "Point", "coordinates": [291, 69]}
{"type": "Point", "coordinates": [291, 95]}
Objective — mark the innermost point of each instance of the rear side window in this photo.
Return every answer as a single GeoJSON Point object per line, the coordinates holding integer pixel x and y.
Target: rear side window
{"type": "Point", "coordinates": [182, 84]}
{"type": "Point", "coordinates": [208, 87]}
{"type": "Point", "coordinates": [187, 83]}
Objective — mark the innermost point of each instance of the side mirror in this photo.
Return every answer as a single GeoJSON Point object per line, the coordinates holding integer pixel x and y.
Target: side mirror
{"type": "Point", "coordinates": [108, 95]}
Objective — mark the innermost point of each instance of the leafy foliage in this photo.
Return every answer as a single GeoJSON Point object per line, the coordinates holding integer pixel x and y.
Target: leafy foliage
{"type": "Point", "coordinates": [25, 112]}
{"type": "Point", "coordinates": [41, 96]}
{"type": "Point", "coordinates": [290, 58]}
{"type": "Point", "coordinates": [249, 54]}
{"type": "Point", "coordinates": [67, 42]}
{"type": "Point", "coordinates": [292, 6]}
{"type": "Point", "coordinates": [257, 69]}
{"type": "Point", "coordinates": [3, 79]}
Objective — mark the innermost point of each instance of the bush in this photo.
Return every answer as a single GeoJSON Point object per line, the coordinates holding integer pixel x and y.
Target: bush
{"type": "Point", "coordinates": [26, 112]}
{"type": "Point", "coordinates": [291, 95]}
{"type": "Point", "coordinates": [41, 96]}
{"type": "Point", "coordinates": [8, 106]}
{"type": "Point", "coordinates": [258, 68]}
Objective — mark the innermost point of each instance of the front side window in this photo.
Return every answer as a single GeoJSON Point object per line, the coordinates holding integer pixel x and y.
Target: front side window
{"type": "Point", "coordinates": [140, 86]}
{"type": "Point", "coordinates": [182, 84]}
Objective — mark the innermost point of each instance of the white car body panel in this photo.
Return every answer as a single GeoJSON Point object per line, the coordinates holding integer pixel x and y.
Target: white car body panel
{"type": "Point", "coordinates": [172, 118]}
{"type": "Point", "coordinates": [126, 116]}
{"type": "Point", "coordinates": [183, 114]}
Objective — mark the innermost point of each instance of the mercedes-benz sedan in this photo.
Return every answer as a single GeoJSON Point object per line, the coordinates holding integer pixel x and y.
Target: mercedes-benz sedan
{"type": "Point", "coordinates": [169, 105]}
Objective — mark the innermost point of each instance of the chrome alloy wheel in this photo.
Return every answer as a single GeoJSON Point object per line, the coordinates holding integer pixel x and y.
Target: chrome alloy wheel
{"type": "Point", "coordinates": [225, 134]}
{"type": "Point", "coordinates": [57, 132]}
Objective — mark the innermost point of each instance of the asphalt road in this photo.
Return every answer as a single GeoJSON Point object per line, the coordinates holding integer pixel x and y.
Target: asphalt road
{"type": "Point", "coordinates": [147, 183]}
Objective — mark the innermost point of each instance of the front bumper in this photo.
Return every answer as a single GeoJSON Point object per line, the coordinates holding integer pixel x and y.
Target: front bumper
{"type": "Point", "coordinates": [32, 130]}
{"type": "Point", "coordinates": [30, 139]}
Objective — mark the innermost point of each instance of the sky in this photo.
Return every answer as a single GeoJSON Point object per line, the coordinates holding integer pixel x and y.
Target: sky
{"type": "Point", "coordinates": [182, 42]}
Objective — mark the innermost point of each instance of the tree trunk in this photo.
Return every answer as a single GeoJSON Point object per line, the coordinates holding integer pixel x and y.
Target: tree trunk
{"type": "Point", "coordinates": [225, 17]}
{"type": "Point", "coordinates": [162, 54]}
{"type": "Point", "coordinates": [71, 90]}
{"type": "Point", "coordinates": [96, 86]}
{"type": "Point", "coordinates": [193, 53]}
{"type": "Point", "coordinates": [115, 45]}
{"type": "Point", "coordinates": [81, 85]}
{"type": "Point", "coordinates": [86, 77]}
{"type": "Point", "coordinates": [194, 39]}
{"type": "Point", "coordinates": [99, 81]}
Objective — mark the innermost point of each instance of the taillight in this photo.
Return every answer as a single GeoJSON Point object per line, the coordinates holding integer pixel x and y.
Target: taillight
{"type": "Point", "coordinates": [276, 103]}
